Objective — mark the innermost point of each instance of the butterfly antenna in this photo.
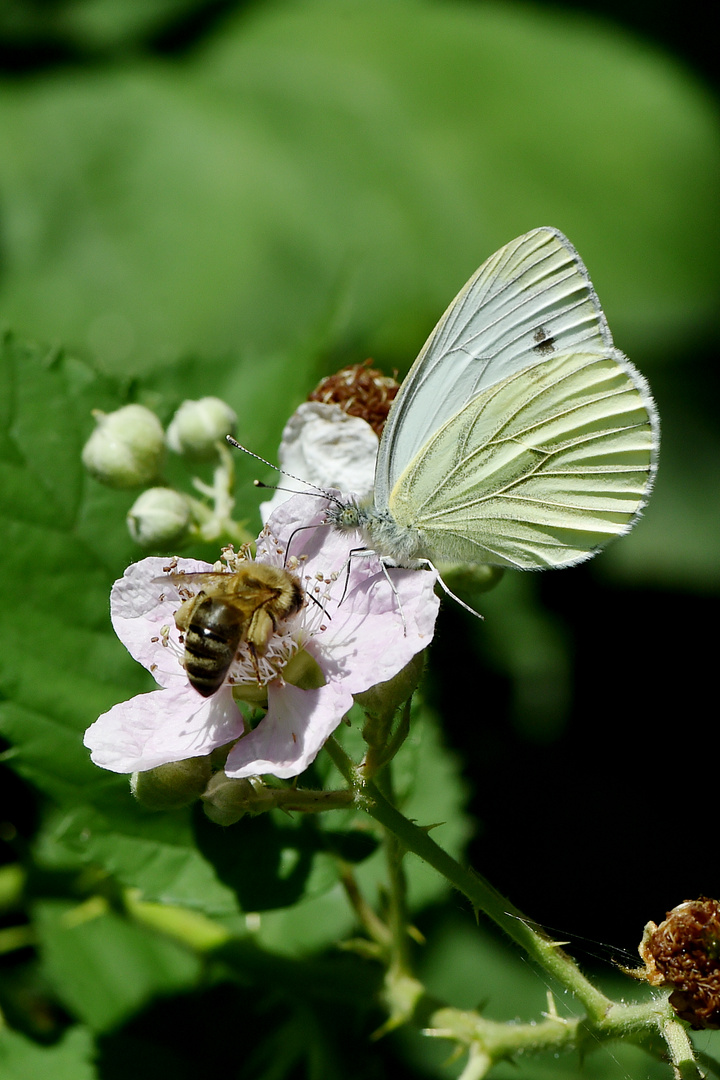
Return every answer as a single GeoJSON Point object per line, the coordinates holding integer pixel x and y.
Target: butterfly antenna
{"type": "Point", "coordinates": [298, 479]}
{"type": "Point", "coordinates": [276, 487]}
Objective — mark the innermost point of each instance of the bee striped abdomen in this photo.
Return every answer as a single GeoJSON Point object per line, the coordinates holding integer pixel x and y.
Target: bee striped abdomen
{"type": "Point", "coordinates": [211, 641]}
{"type": "Point", "coordinates": [245, 605]}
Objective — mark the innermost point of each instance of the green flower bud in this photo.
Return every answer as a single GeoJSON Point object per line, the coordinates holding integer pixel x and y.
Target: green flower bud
{"type": "Point", "coordinates": [198, 426]}
{"type": "Point", "coordinates": [226, 800]}
{"type": "Point", "coordinates": [382, 700]}
{"type": "Point", "coordinates": [160, 517]}
{"type": "Point", "coordinates": [172, 786]}
{"type": "Point", "coordinates": [126, 448]}
{"type": "Point", "coordinates": [303, 670]}
{"type": "Point", "coordinates": [471, 580]}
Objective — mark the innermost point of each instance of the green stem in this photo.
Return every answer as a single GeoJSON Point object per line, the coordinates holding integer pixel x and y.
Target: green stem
{"type": "Point", "coordinates": [217, 523]}
{"type": "Point", "coordinates": [681, 1051]}
{"type": "Point", "coordinates": [604, 1018]}
{"type": "Point", "coordinates": [314, 802]}
{"type": "Point", "coordinates": [400, 963]}
{"type": "Point", "coordinates": [481, 894]}
{"type": "Point", "coordinates": [373, 925]}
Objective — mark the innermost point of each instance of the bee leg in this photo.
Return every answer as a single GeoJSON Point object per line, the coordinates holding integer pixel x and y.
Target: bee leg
{"type": "Point", "coordinates": [254, 661]}
{"type": "Point", "coordinates": [184, 613]}
{"type": "Point", "coordinates": [260, 629]}
{"type": "Point", "coordinates": [391, 583]}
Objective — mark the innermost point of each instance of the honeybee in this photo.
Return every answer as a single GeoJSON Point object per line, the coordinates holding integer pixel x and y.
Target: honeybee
{"type": "Point", "coordinates": [231, 608]}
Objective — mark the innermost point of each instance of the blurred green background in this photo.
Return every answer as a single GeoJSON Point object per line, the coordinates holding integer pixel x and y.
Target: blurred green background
{"type": "Point", "coordinates": [236, 199]}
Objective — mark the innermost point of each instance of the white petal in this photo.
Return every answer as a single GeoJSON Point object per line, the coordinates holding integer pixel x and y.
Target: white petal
{"type": "Point", "coordinates": [328, 448]}
{"type": "Point", "coordinates": [142, 607]}
{"type": "Point", "coordinates": [163, 725]}
{"type": "Point", "coordinates": [288, 739]}
{"type": "Point", "coordinates": [367, 640]}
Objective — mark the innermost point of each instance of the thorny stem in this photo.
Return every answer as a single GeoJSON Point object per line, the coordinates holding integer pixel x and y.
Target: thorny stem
{"type": "Point", "coordinates": [485, 1041]}
{"type": "Point", "coordinates": [402, 992]}
{"type": "Point", "coordinates": [681, 1051]}
{"type": "Point", "coordinates": [481, 894]}
{"type": "Point", "coordinates": [400, 963]}
{"type": "Point", "coordinates": [604, 1018]}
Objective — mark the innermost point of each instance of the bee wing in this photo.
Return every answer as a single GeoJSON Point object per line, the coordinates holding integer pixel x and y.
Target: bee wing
{"type": "Point", "coordinates": [201, 577]}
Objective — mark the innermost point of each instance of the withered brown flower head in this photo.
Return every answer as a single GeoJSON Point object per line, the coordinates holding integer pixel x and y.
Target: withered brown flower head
{"type": "Point", "coordinates": [360, 391]}
{"type": "Point", "coordinates": [684, 952]}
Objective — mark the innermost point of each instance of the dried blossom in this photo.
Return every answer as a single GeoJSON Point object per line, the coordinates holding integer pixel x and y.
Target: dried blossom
{"type": "Point", "coordinates": [683, 952]}
{"type": "Point", "coordinates": [361, 391]}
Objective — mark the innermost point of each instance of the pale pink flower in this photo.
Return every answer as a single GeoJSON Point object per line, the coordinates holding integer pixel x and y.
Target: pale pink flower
{"type": "Point", "coordinates": [326, 447]}
{"type": "Point", "coordinates": [357, 629]}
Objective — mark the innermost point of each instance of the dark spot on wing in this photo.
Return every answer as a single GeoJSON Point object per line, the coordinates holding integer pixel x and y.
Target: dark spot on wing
{"type": "Point", "coordinates": [544, 343]}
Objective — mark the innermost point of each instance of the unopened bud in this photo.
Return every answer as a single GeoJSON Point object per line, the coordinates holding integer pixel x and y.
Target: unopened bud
{"type": "Point", "coordinates": [160, 517]}
{"type": "Point", "coordinates": [470, 580]}
{"type": "Point", "coordinates": [382, 700]}
{"type": "Point", "coordinates": [226, 800]}
{"type": "Point", "coordinates": [198, 426]}
{"type": "Point", "coordinates": [172, 786]}
{"type": "Point", "coordinates": [126, 448]}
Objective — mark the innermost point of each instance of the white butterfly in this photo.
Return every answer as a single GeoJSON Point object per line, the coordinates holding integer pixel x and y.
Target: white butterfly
{"type": "Point", "coordinates": [521, 437]}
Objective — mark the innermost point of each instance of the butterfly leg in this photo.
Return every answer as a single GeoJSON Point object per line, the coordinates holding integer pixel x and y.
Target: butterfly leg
{"type": "Point", "coordinates": [359, 552]}
{"type": "Point", "coordinates": [448, 592]}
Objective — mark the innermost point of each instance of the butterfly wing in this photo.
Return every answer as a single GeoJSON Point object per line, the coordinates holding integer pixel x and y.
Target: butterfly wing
{"type": "Point", "coordinates": [537, 470]}
{"type": "Point", "coordinates": [531, 299]}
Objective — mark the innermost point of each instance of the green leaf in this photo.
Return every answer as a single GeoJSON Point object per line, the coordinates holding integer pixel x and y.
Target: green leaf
{"type": "Point", "coordinates": [103, 967]}
{"type": "Point", "coordinates": [70, 1059]}
{"type": "Point", "coordinates": [430, 790]}
{"type": "Point", "coordinates": [61, 666]}
{"type": "Point", "coordinates": [59, 663]}
{"type": "Point", "coordinates": [155, 854]}
{"type": "Point", "coordinates": [341, 170]}
{"type": "Point", "coordinates": [183, 859]}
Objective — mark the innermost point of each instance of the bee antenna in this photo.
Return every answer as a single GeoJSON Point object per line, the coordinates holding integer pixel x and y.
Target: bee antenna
{"type": "Point", "coordinates": [317, 490]}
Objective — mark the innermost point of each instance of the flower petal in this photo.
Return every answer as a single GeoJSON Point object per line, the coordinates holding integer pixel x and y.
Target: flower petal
{"type": "Point", "coordinates": [142, 608]}
{"type": "Point", "coordinates": [296, 726]}
{"type": "Point", "coordinates": [163, 725]}
{"type": "Point", "coordinates": [362, 626]}
{"type": "Point", "coordinates": [327, 447]}
{"type": "Point", "coordinates": [374, 618]}
{"type": "Point", "coordinates": [375, 631]}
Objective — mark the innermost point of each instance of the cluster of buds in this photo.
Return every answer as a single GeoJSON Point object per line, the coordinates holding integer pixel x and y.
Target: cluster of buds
{"type": "Point", "coordinates": [127, 450]}
{"type": "Point", "coordinates": [225, 799]}
{"type": "Point", "coordinates": [331, 441]}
